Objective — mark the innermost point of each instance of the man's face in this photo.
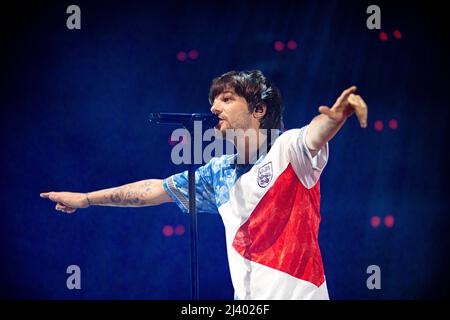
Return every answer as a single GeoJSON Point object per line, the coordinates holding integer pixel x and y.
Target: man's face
{"type": "Point", "coordinates": [233, 112]}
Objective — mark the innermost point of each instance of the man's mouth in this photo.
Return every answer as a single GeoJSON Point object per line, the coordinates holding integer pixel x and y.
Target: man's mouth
{"type": "Point", "coordinates": [219, 124]}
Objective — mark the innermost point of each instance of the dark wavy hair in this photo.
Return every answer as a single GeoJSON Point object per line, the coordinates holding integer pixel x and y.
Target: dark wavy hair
{"type": "Point", "coordinates": [257, 90]}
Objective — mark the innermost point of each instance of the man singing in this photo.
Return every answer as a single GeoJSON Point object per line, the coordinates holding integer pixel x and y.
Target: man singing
{"type": "Point", "coordinates": [268, 198]}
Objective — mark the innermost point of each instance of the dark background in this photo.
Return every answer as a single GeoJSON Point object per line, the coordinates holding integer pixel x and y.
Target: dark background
{"type": "Point", "coordinates": [74, 109]}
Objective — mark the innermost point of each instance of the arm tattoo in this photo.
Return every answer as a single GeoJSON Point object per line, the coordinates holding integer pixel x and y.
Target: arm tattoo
{"type": "Point", "coordinates": [135, 194]}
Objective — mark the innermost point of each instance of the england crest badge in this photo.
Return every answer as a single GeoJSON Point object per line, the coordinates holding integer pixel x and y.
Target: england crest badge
{"type": "Point", "coordinates": [265, 175]}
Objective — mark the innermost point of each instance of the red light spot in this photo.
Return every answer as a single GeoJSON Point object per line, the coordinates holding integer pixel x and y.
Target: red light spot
{"type": "Point", "coordinates": [375, 221]}
{"type": "Point", "coordinates": [181, 56]}
{"type": "Point", "coordinates": [179, 230]}
{"type": "Point", "coordinates": [193, 54]}
{"type": "Point", "coordinates": [383, 36]}
{"type": "Point", "coordinates": [393, 124]}
{"type": "Point", "coordinates": [397, 35]}
{"type": "Point", "coordinates": [292, 45]}
{"type": "Point", "coordinates": [389, 221]}
{"type": "Point", "coordinates": [378, 125]}
{"type": "Point", "coordinates": [167, 231]}
{"type": "Point", "coordinates": [278, 46]}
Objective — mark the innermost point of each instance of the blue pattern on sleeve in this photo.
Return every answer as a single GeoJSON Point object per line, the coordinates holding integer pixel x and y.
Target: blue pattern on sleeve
{"type": "Point", "coordinates": [213, 182]}
{"type": "Point", "coordinates": [177, 186]}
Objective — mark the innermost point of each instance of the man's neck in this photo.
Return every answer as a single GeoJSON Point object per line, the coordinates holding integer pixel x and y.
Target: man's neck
{"type": "Point", "coordinates": [248, 151]}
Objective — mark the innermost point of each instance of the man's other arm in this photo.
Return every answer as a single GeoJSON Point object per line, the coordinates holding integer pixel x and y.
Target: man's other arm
{"type": "Point", "coordinates": [137, 194]}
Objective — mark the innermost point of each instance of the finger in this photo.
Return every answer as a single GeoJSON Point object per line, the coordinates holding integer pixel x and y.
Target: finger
{"type": "Point", "coordinates": [360, 108]}
{"type": "Point", "coordinates": [328, 112]}
{"type": "Point", "coordinates": [345, 94]}
{"type": "Point", "coordinates": [63, 206]}
{"type": "Point", "coordinates": [65, 209]}
{"type": "Point", "coordinates": [44, 194]}
{"type": "Point", "coordinates": [362, 111]}
{"type": "Point", "coordinates": [54, 196]}
{"type": "Point", "coordinates": [68, 209]}
{"type": "Point", "coordinates": [352, 100]}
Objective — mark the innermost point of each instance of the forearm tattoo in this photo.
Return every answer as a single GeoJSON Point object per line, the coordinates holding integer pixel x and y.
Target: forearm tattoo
{"type": "Point", "coordinates": [134, 194]}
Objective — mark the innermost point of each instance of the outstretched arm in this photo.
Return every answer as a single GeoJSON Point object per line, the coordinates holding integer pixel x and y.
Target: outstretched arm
{"type": "Point", "coordinates": [137, 194]}
{"type": "Point", "coordinates": [324, 127]}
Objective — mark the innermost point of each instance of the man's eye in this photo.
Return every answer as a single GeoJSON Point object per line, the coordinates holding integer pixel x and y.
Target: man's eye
{"type": "Point", "coordinates": [227, 99]}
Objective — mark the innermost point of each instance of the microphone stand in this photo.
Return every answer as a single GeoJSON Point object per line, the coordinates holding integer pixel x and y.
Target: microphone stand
{"type": "Point", "coordinates": [193, 229]}
{"type": "Point", "coordinates": [188, 123]}
{"type": "Point", "coordinates": [193, 214]}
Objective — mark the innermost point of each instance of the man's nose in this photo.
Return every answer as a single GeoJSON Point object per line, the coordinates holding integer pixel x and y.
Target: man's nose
{"type": "Point", "coordinates": [215, 109]}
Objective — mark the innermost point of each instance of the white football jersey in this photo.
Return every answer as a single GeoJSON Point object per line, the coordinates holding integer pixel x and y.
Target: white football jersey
{"type": "Point", "coordinates": [271, 214]}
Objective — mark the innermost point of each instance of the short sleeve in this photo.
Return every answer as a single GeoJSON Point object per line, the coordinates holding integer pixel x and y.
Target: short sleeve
{"type": "Point", "coordinates": [308, 168]}
{"type": "Point", "coordinates": [177, 187]}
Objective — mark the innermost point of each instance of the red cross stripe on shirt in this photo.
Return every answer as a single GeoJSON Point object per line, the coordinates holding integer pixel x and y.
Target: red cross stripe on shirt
{"type": "Point", "coordinates": [282, 231]}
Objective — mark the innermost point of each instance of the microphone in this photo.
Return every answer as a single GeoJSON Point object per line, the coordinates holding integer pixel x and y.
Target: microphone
{"type": "Point", "coordinates": [209, 120]}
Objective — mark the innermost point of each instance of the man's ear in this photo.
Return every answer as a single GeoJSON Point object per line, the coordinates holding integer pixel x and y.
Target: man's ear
{"type": "Point", "coordinates": [260, 111]}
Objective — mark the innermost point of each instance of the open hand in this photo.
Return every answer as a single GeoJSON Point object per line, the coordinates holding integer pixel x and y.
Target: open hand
{"type": "Point", "coordinates": [347, 104]}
